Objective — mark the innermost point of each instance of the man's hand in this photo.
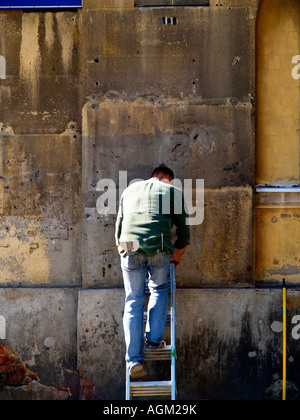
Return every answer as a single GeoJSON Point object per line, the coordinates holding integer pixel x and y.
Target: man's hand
{"type": "Point", "coordinates": [176, 259]}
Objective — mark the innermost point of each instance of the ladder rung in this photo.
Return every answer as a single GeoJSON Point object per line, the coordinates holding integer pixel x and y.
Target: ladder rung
{"type": "Point", "coordinates": [144, 389]}
{"type": "Point", "coordinates": [162, 354]}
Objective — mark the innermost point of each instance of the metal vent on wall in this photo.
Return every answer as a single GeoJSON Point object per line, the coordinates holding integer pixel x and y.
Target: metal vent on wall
{"type": "Point", "coordinates": [173, 3]}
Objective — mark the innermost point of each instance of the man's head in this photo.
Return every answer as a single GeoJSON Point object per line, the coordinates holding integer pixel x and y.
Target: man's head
{"type": "Point", "coordinates": [164, 173]}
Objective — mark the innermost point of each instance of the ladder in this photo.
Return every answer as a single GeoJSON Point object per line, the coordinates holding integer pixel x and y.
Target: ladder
{"type": "Point", "coordinates": [159, 388]}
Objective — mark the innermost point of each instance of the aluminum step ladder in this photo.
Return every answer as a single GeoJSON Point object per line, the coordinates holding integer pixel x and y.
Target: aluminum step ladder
{"type": "Point", "coordinates": [159, 388]}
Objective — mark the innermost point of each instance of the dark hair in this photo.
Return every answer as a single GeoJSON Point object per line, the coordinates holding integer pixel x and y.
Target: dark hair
{"type": "Point", "coordinates": [163, 169]}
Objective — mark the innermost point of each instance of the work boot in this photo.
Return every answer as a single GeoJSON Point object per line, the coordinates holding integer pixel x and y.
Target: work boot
{"type": "Point", "coordinates": [151, 346]}
{"type": "Point", "coordinates": [137, 371]}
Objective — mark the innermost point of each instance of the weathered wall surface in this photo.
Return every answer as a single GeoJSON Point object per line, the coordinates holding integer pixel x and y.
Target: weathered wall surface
{"type": "Point", "coordinates": [228, 343]}
{"type": "Point", "coordinates": [41, 330]}
{"type": "Point", "coordinates": [40, 187]}
{"type": "Point", "coordinates": [278, 146]}
{"type": "Point", "coordinates": [40, 196]}
{"type": "Point", "coordinates": [84, 96]}
{"type": "Point", "coordinates": [196, 117]}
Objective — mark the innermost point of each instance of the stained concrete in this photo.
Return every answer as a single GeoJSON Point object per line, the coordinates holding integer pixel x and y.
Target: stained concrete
{"type": "Point", "coordinates": [128, 61]}
{"type": "Point", "coordinates": [220, 254]}
{"type": "Point", "coordinates": [41, 91]}
{"type": "Point", "coordinates": [214, 143]}
{"type": "Point", "coordinates": [109, 88]}
{"type": "Point", "coordinates": [34, 391]}
{"type": "Point", "coordinates": [41, 327]}
{"type": "Point", "coordinates": [227, 346]}
{"type": "Point", "coordinates": [101, 341]}
{"type": "Point", "coordinates": [40, 204]}
{"type": "Point", "coordinates": [197, 117]}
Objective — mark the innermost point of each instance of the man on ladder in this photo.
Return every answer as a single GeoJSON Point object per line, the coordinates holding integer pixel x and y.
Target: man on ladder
{"type": "Point", "coordinates": [148, 210]}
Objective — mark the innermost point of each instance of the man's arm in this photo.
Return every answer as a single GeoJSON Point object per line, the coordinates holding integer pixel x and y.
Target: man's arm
{"type": "Point", "coordinates": [176, 259]}
{"type": "Point", "coordinates": [119, 223]}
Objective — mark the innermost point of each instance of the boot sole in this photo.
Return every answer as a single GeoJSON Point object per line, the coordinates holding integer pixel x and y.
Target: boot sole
{"type": "Point", "coordinates": [138, 372]}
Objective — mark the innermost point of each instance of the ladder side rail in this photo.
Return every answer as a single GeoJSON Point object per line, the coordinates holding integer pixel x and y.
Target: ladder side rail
{"type": "Point", "coordinates": [173, 346]}
{"type": "Point", "coordinates": [128, 396]}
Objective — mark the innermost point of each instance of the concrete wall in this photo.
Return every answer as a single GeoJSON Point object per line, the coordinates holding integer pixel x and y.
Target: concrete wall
{"type": "Point", "coordinates": [229, 343]}
{"type": "Point", "coordinates": [110, 88]}
{"type": "Point", "coordinates": [278, 147]}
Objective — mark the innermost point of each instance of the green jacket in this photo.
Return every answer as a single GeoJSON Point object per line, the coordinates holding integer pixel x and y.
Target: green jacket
{"type": "Point", "coordinates": [148, 210]}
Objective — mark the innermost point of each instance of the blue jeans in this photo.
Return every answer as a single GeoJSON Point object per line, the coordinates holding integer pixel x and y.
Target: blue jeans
{"type": "Point", "coordinates": [135, 268]}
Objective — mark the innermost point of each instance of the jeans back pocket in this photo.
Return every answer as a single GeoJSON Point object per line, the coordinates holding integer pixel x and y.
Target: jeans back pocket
{"type": "Point", "coordinates": [131, 261]}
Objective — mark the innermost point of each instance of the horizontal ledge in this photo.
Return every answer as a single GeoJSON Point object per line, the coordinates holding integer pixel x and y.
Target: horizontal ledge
{"type": "Point", "coordinates": [278, 188]}
{"type": "Point", "coordinates": [273, 206]}
{"type": "Point", "coordinates": [169, 7]}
